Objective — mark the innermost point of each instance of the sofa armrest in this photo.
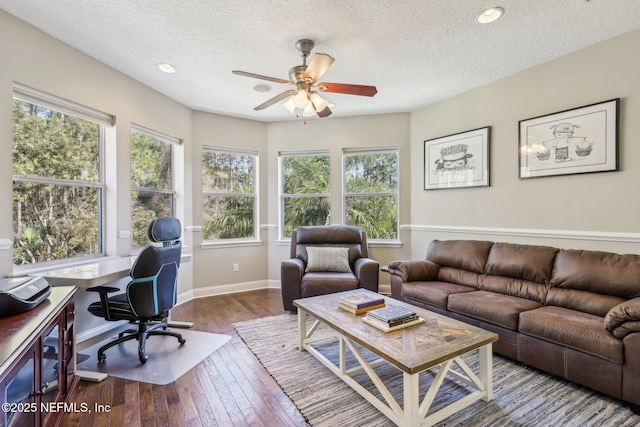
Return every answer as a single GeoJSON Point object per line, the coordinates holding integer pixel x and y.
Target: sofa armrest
{"type": "Point", "coordinates": [291, 272]}
{"type": "Point", "coordinates": [410, 271]}
{"type": "Point", "coordinates": [368, 273]}
{"type": "Point", "coordinates": [623, 318]}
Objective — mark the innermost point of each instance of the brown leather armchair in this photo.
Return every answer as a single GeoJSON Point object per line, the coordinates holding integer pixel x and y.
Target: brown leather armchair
{"type": "Point", "coordinates": [302, 277]}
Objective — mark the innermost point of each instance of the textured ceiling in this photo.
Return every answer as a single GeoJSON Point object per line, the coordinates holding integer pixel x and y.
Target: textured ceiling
{"type": "Point", "coordinates": [416, 52]}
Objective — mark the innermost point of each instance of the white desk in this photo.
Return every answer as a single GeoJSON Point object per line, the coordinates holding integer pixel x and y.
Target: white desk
{"type": "Point", "coordinates": [90, 275]}
{"type": "Point", "coordinates": [100, 272]}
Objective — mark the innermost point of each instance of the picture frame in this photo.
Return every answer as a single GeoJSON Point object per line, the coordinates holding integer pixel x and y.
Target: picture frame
{"type": "Point", "coordinates": [460, 160]}
{"type": "Point", "coordinates": [575, 141]}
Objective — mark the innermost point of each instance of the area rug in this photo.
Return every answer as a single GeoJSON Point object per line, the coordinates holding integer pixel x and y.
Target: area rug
{"type": "Point", "coordinates": [522, 395]}
{"type": "Point", "coordinates": [168, 360]}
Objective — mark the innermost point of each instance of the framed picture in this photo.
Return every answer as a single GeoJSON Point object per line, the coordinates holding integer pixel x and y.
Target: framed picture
{"type": "Point", "coordinates": [582, 140]}
{"type": "Point", "coordinates": [457, 161]}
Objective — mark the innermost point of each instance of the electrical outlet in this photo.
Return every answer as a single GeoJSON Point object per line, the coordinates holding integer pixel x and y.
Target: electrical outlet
{"type": "Point", "coordinates": [236, 267]}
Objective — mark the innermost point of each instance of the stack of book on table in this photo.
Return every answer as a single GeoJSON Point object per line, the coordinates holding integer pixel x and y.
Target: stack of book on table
{"type": "Point", "coordinates": [392, 317]}
{"type": "Point", "coordinates": [360, 302]}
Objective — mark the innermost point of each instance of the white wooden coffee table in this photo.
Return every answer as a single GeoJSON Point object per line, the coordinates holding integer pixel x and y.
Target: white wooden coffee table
{"type": "Point", "coordinates": [436, 344]}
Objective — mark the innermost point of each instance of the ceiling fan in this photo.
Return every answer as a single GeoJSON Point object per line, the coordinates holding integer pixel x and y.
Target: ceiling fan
{"type": "Point", "coordinates": [305, 98]}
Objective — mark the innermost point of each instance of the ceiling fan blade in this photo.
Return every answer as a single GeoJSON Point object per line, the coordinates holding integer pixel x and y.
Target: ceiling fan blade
{"type": "Point", "coordinates": [258, 76]}
{"type": "Point", "coordinates": [274, 100]}
{"type": "Point", "coordinates": [348, 89]}
{"type": "Point", "coordinates": [324, 113]}
{"type": "Point", "coordinates": [317, 67]}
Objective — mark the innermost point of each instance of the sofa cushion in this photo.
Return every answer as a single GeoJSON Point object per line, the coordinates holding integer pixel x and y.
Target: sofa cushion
{"type": "Point", "coordinates": [528, 262]}
{"type": "Point", "coordinates": [465, 254]}
{"type": "Point", "coordinates": [574, 329]}
{"type": "Point", "coordinates": [460, 277]}
{"type": "Point", "coordinates": [432, 292]}
{"type": "Point", "coordinates": [515, 287]}
{"type": "Point", "coordinates": [323, 283]}
{"type": "Point", "coordinates": [600, 272]}
{"type": "Point", "coordinates": [501, 310]}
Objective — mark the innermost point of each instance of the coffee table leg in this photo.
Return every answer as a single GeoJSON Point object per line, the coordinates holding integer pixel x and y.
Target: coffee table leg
{"type": "Point", "coordinates": [411, 399]}
{"type": "Point", "coordinates": [485, 357]}
{"type": "Point", "coordinates": [302, 328]}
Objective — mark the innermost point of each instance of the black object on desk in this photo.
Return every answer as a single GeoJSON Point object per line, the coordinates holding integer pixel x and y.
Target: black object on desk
{"type": "Point", "coordinates": [20, 294]}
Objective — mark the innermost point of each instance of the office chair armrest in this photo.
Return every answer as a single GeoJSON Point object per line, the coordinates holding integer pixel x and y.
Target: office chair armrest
{"type": "Point", "coordinates": [104, 299]}
{"type": "Point", "coordinates": [103, 289]}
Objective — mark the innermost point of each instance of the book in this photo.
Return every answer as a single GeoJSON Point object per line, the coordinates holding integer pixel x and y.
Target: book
{"type": "Point", "coordinates": [386, 328]}
{"type": "Point", "coordinates": [391, 313]}
{"type": "Point", "coordinates": [358, 310]}
{"type": "Point", "coordinates": [361, 300]}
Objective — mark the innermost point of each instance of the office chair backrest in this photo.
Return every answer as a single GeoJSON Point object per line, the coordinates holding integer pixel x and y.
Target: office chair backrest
{"type": "Point", "coordinates": [153, 289]}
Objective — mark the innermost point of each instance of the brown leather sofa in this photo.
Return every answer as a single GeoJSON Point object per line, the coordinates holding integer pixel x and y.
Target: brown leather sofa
{"type": "Point", "coordinates": [297, 282]}
{"type": "Point", "coordinates": [572, 313]}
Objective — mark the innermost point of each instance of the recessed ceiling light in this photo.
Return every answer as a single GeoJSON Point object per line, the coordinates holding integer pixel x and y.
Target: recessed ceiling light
{"type": "Point", "coordinates": [490, 15]}
{"type": "Point", "coordinates": [167, 68]}
{"type": "Point", "coordinates": [262, 88]}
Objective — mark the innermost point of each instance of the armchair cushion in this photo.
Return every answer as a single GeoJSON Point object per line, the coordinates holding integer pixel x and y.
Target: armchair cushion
{"type": "Point", "coordinates": [328, 259]}
{"type": "Point", "coordinates": [624, 318]}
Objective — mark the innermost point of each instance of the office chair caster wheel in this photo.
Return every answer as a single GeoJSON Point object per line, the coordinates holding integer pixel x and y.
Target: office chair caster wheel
{"type": "Point", "coordinates": [101, 358]}
{"type": "Point", "coordinates": [182, 341]}
{"type": "Point", "coordinates": [143, 357]}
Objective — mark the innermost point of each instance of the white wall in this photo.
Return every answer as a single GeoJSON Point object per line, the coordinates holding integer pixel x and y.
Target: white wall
{"type": "Point", "coordinates": [550, 210]}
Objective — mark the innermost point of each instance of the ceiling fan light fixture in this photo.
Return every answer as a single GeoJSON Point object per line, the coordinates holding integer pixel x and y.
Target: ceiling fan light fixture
{"type": "Point", "coordinates": [301, 98]}
{"type": "Point", "coordinates": [289, 105]}
{"type": "Point", "coordinates": [318, 102]}
{"type": "Point", "coordinates": [489, 15]}
{"type": "Point", "coordinates": [309, 111]}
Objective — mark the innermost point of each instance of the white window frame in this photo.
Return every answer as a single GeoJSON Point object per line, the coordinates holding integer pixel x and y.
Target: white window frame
{"type": "Point", "coordinates": [43, 99]}
{"type": "Point", "coordinates": [379, 150]}
{"type": "Point", "coordinates": [167, 139]}
{"type": "Point", "coordinates": [282, 196]}
{"type": "Point", "coordinates": [248, 241]}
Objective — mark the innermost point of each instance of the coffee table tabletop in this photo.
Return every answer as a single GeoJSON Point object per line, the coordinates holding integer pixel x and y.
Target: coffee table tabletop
{"type": "Point", "coordinates": [411, 349]}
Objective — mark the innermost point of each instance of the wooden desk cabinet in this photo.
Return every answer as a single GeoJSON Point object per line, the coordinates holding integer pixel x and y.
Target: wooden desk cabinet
{"type": "Point", "coordinates": [37, 362]}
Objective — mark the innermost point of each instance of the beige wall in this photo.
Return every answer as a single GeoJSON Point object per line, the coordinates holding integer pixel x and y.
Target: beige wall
{"type": "Point", "coordinates": [597, 210]}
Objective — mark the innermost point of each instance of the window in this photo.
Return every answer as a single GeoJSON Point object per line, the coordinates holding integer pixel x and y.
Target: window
{"type": "Point", "coordinates": [58, 184]}
{"type": "Point", "coordinates": [370, 191]}
{"type": "Point", "coordinates": [152, 194]}
{"type": "Point", "coordinates": [304, 189]}
{"type": "Point", "coordinates": [229, 198]}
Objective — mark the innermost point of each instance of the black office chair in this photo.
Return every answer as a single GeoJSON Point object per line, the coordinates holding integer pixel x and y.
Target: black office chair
{"type": "Point", "coordinates": [151, 292]}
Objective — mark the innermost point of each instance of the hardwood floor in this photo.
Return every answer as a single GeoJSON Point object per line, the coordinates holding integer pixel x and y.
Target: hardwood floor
{"type": "Point", "coordinates": [229, 388]}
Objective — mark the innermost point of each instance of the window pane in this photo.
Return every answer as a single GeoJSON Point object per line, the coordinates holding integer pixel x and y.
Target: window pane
{"type": "Point", "coordinates": [228, 217]}
{"type": "Point", "coordinates": [50, 144]}
{"type": "Point", "coordinates": [305, 174]}
{"type": "Point", "coordinates": [376, 215]}
{"type": "Point", "coordinates": [228, 173]}
{"type": "Point", "coordinates": [145, 207]}
{"type": "Point", "coordinates": [54, 222]}
{"type": "Point", "coordinates": [305, 211]}
{"type": "Point", "coordinates": [150, 162]}
{"type": "Point", "coordinates": [371, 173]}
